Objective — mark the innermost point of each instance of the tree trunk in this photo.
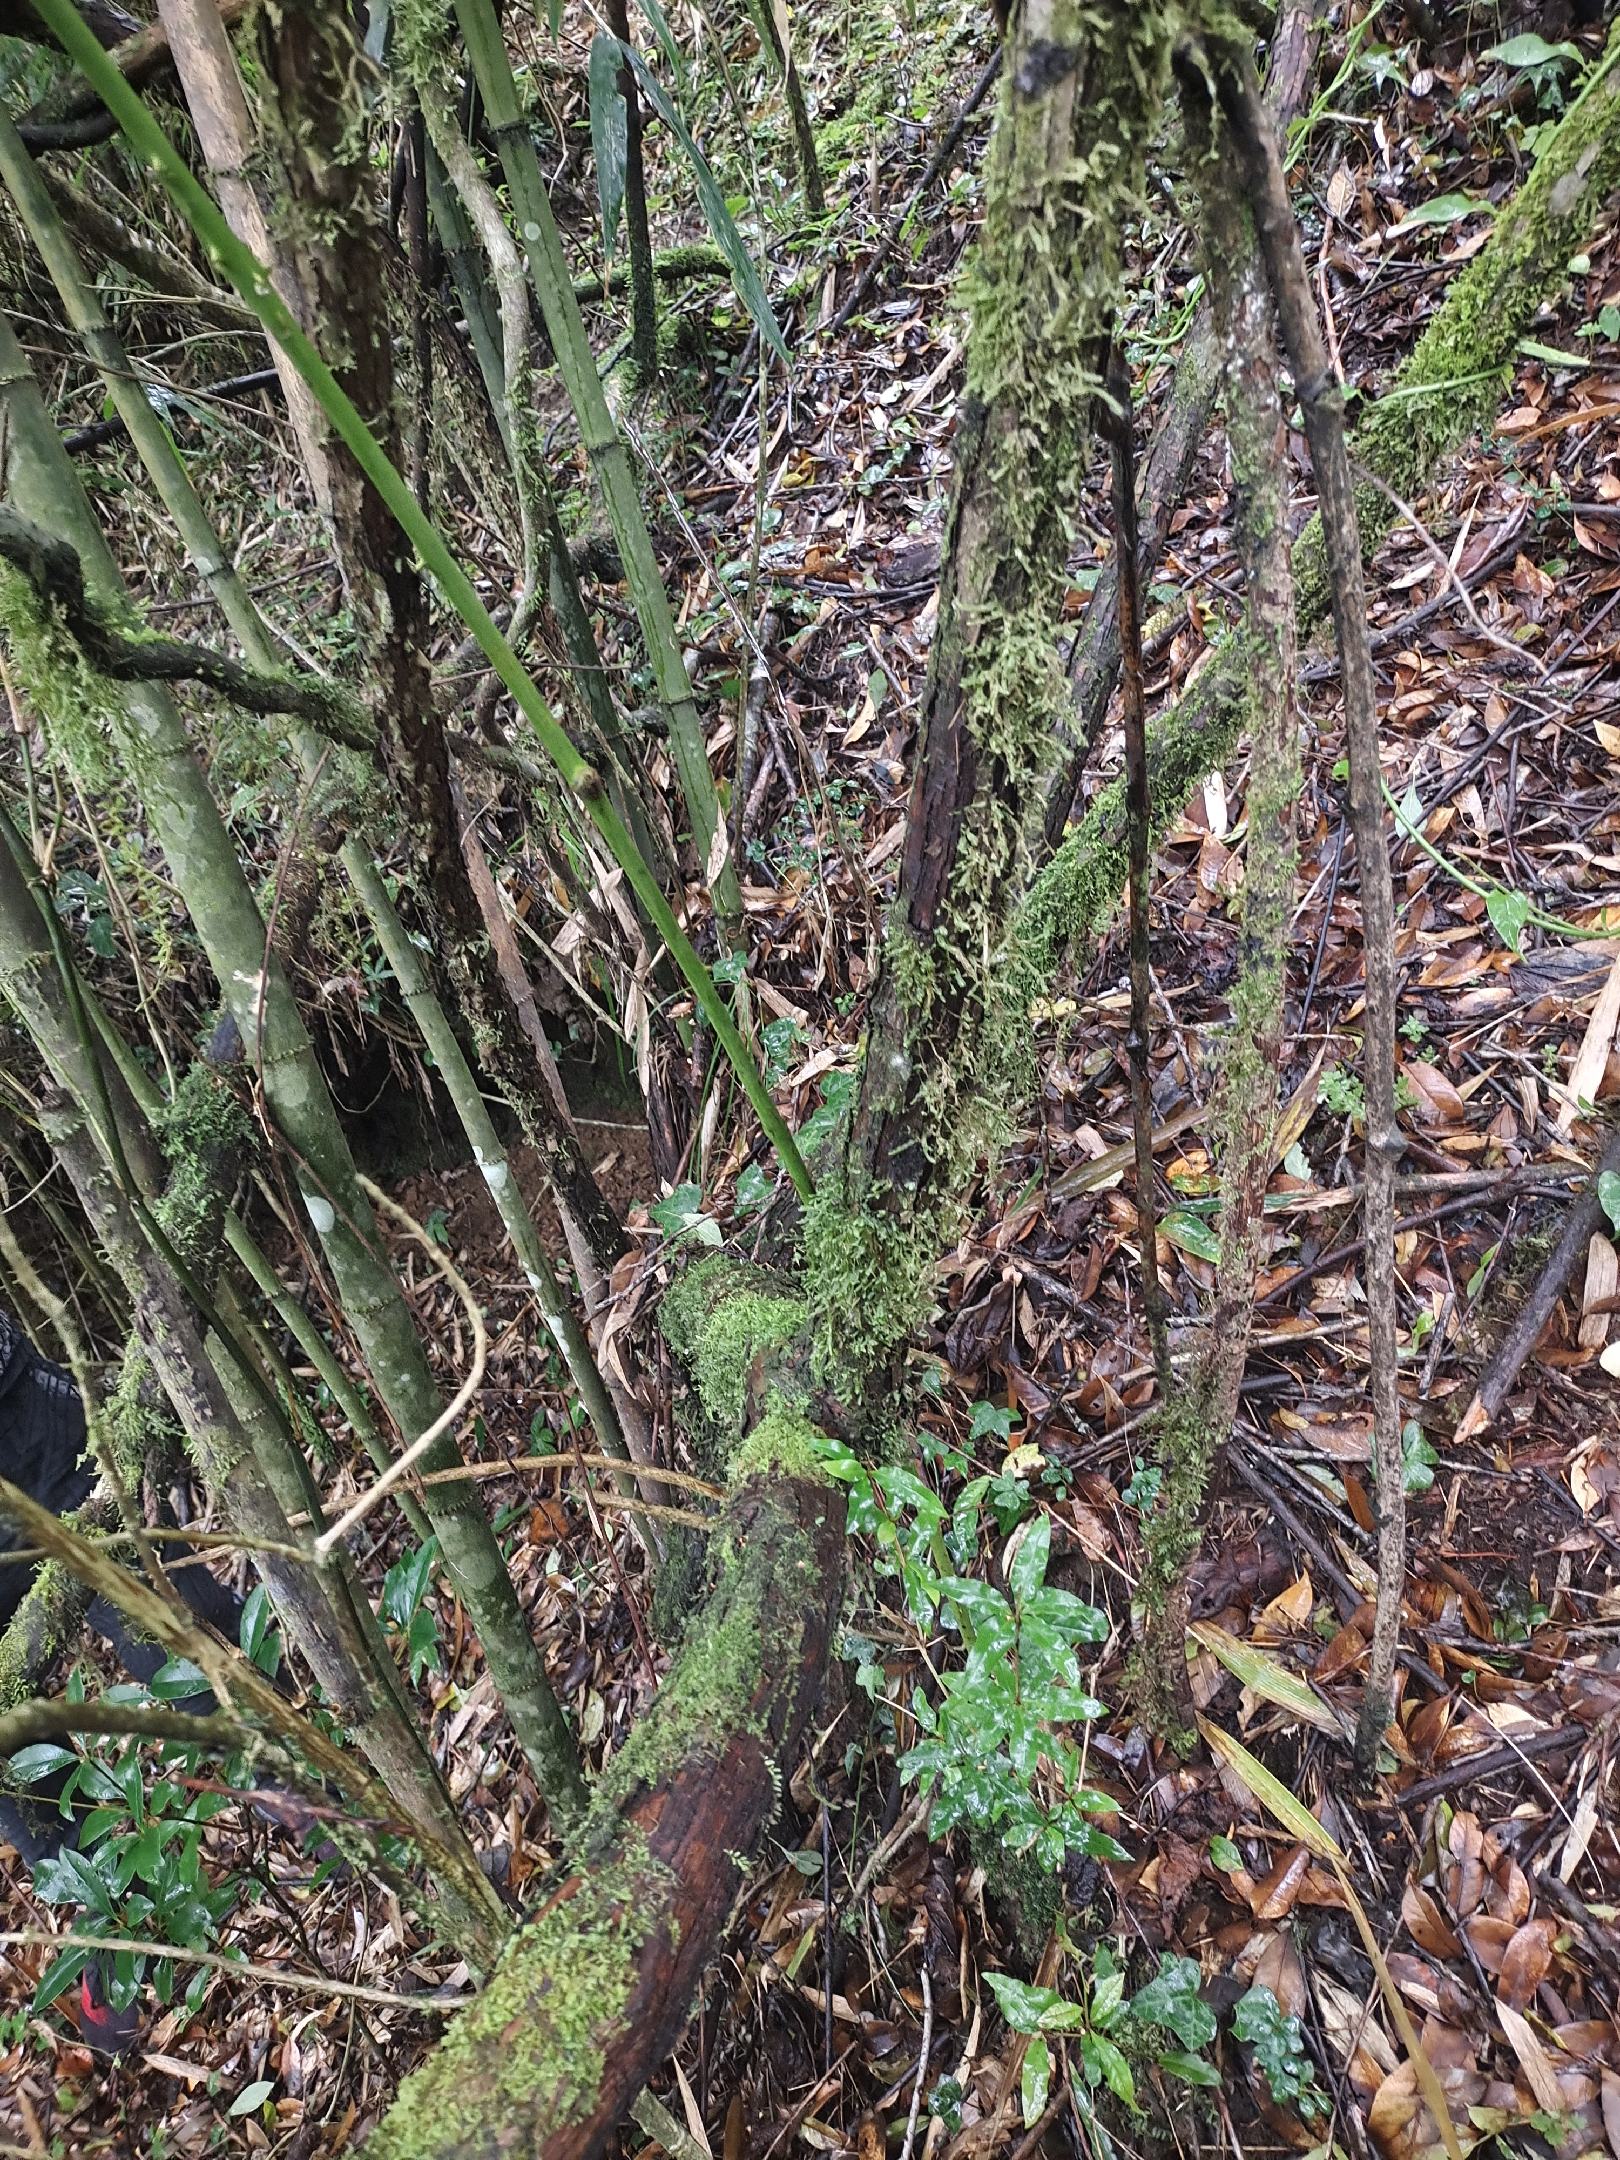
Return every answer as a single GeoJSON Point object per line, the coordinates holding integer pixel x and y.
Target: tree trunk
{"type": "Point", "coordinates": [947, 1038]}
{"type": "Point", "coordinates": [1449, 386]}
{"type": "Point", "coordinates": [203, 862]}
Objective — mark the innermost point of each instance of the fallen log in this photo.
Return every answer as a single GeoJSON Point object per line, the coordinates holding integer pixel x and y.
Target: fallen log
{"type": "Point", "coordinates": [593, 1991]}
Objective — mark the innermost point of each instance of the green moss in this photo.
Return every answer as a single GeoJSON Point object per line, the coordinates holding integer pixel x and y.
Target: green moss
{"type": "Point", "coordinates": [704, 1699]}
{"type": "Point", "coordinates": [783, 1444]}
{"type": "Point", "coordinates": [79, 707]}
{"type": "Point", "coordinates": [1070, 903]}
{"type": "Point", "coordinates": [720, 1319]}
{"type": "Point", "coordinates": [43, 1626]}
{"type": "Point", "coordinates": [870, 1272]}
{"type": "Point", "coordinates": [205, 1136]}
{"type": "Point", "coordinates": [135, 1419]}
{"type": "Point", "coordinates": [1020, 1891]}
{"type": "Point", "coordinates": [499, 2080]}
{"type": "Point", "coordinates": [714, 1688]}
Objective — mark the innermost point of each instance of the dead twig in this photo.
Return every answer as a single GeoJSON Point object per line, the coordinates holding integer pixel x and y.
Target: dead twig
{"type": "Point", "coordinates": [1117, 422]}
{"type": "Point", "coordinates": [1500, 1376]}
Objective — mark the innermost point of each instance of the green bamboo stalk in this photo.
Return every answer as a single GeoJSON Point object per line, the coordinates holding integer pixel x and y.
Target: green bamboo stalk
{"type": "Point", "coordinates": [252, 281]}
{"type": "Point", "coordinates": [804, 135]}
{"type": "Point", "coordinates": [287, 1308]}
{"type": "Point", "coordinates": [175, 794]}
{"type": "Point", "coordinates": [246, 1458]}
{"type": "Point", "coordinates": [565, 326]}
{"type": "Point", "coordinates": [638, 237]}
{"type": "Point", "coordinates": [463, 202]}
{"type": "Point", "coordinates": [162, 460]}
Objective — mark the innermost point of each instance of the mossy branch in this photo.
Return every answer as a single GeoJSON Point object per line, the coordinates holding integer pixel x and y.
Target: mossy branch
{"type": "Point", "coordinates": [53, 569]}
{"type": "Point", "coordinates": [594, 1990]}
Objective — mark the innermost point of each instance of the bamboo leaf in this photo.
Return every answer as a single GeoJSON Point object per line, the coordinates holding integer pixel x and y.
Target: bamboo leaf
{"type": "Point", "coordinates": [1299, 1822]}
{"type": "Point", "coordinates": [1269, 1678]}
{"type": "Point", "coordinates": [610, 131]}
{"type": "Point", "coordinates": [744, 275]}
{"type": "Point", "coordinates": [665, 38]}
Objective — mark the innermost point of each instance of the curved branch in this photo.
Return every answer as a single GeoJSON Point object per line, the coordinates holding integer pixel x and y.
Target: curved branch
{"type": "Point", "coordinates": [39, 1719]}
{"type": "Point", "coordinates": [71, 116]}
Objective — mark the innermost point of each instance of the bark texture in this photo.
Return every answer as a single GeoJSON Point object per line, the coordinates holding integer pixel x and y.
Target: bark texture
{"type": "Point", "coordinates": [1450, 385]}
{"type": "Point", "coordinates": [1197, 1415]}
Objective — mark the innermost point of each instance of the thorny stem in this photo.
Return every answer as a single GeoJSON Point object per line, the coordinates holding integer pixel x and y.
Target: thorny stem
{"type": "Point", "coordinates": [1323, 401]}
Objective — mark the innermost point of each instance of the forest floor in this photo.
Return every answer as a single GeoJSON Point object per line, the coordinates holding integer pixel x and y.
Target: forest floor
{"type": "Point", "coordinates": [1487, 1857]}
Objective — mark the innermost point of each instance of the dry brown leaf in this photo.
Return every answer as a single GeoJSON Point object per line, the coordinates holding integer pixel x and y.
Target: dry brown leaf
{"type": "Point", "coordinates": [1399, 2120]}
{"type": "Point", "coordinates": [1287, 1613]}
{"type": "Point", "coordinates": [1532, 2059]}
{"type": "Point", "coordinates": [1525, 1962]}
{"type": "Point", "coordinates": [1278, 1968]}
{"type": "Point", "coordinates": [1274, 1898]}
{"type": "Point", "coordinates": [1427, 1925]}
{"type": "Point", "coordinates": [1586, 1074]}
{"type": "Point", "coordinates": [1343, 1654]}
{"type": "Point", "coordinates": [1438, 1100]}
{"type": "Point", "coordinates": [1602, 1282]}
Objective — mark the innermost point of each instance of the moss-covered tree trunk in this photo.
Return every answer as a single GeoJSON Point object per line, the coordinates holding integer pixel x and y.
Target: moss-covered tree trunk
{"type": "Point", "coordinates": [1198, 1415]}
{"type": "Point", "coordinates": [589, 1997]}
{"type": "Point", "coordinates": [1080, 93]}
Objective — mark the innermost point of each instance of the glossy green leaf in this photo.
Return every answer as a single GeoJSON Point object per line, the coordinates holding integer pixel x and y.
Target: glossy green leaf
{"type": "Point", "coordinates": [1509, 912]}
{"type": "Point", "coordinates": [1191, 1235]}
{"type": "Point", "coordinates": [1036, 2081]}
{"type": "Point", "coordinates": [1171, 1999]}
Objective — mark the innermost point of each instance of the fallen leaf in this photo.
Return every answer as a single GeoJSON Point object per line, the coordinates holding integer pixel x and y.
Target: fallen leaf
{"type": "Point", "coordinates": [1525, 1962]}
{"type": "Point", "coordinates": [1427, 1925]}
{"type": "Point", "coordinates": [1532, 2059]}
{"type": "Point", "coordinates": [1275, 1897]}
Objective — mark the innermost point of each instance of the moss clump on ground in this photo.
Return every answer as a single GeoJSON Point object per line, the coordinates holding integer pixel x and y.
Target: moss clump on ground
{"type": "Point", "coordinates": [1030, 1894]}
